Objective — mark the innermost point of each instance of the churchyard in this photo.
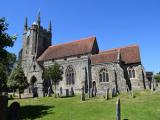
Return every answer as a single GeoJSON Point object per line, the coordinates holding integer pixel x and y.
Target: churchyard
{"type": "Point", "coordinates": [142, 105]}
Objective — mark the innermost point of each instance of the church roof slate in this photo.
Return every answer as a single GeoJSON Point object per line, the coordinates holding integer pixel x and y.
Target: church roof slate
{"type": "Point", "coordinates": [129, 55]}
{"type": "Point", "coordinates": [77, 47]}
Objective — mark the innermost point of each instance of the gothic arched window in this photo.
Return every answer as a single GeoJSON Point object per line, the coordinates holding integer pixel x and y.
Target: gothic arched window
{"type": "Point", "coordinates": [131, 72]}
{"type": "Point", "coordinates": [103, 76]}
{"type": "Point", "coordinates": [70, 75]}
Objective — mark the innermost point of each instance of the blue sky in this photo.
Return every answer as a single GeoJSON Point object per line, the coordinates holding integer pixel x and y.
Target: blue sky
{"type": "Point", "coordinates": [115, 23]}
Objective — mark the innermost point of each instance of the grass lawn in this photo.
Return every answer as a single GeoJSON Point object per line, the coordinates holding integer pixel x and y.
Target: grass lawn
{"type": "Point", "coordinates": [145, 106]}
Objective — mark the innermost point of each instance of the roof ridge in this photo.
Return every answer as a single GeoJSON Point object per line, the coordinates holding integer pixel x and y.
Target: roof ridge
{"type": "Point", "coordinates": [110, 50]}
{"type": "Point", "coordinates": [82, 39]}
{"type": "Point", "coordinates": [104, 53]}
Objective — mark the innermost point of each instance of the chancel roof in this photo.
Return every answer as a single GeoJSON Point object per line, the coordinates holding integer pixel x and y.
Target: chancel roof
{"type": "Point", "coordinates": [128, 55]}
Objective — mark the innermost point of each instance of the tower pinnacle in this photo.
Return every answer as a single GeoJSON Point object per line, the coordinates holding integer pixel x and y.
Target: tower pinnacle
{"type": "Point", "coordinates": [39, 19]}
{"type": "Point", "coordinates": [26, 24]}
{"type": "Point", "coordinates": [50, 27]}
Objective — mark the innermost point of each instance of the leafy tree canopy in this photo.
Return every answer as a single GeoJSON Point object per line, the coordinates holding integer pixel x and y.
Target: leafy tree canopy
{"type": "Point", "coordinates": [157, 77]}
{"type": "Point", "coordinates": [53, 73]}
{"type": "Point", "coordinates": [6, 59]}
{"type": "Point", "coordinates": [17, 79]}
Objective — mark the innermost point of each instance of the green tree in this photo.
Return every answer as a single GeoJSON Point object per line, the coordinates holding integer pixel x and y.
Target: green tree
{"type": "Point", "coordinates": [17, 80]}
{"type": "Point", "coordinates": [5, 57]}
{"type": "Point", "coordinates": [54, 73]}
{"type": "Point", "coordinates": [157, 77]}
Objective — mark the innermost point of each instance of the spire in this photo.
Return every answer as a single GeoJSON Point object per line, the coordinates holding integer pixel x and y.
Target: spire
{"type": "Point", "coordinates": [50, 27]}
{"type": "Point", "coordinates": [39, 19]}
{"type": "Point", "coordinates": [119, 56]}
{"type": "Point", "coordinates": [26, 24]}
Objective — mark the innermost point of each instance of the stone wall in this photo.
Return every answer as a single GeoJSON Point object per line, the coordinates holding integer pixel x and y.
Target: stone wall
{"type": "Point", "coordinates": [79, 64]}
{"type": "Point", "coordinates": [116, 77]}
{"type": "Point", "coordinates": [140, 80]}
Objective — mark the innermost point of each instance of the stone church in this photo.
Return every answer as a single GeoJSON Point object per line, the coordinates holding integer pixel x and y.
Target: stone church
{"type": "Point", "coordinates": [83, 64]}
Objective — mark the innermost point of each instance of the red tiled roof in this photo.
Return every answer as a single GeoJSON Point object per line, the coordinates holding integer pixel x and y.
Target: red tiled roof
{"type": "Point", "coordinates": [68, 49]}
{"type": "Point", "coordinates": [129, 54]}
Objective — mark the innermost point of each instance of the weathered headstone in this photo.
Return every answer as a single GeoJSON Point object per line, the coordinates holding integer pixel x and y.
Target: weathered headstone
{"type": "Point", "coordinates": [83, 95]}
{"type": "Point", "coordinates": [3, 107]}
{"type": "Point", "coordinates": [90, 92]}
{"type": "Point", "coordinates": [67, 92]}
{"type": "Point", "coordinates": [107, 94]}
{"type": "Point", "coordinates": [94, 91]}
{"type": "Point", "coordinates": [72, 91]}
{"type": "Point", "coordinates": [60, 91]}
{"type": "Point", "coordinates": [132, 94]}
{"type": "Point", "coordinates": [118, 110]}
{"type": "Point", "coordinates": [114, 92]}
{"type": "Point", "coordinates": [14, 111]}
{"type": "Point", "coordinates": [49, 92]}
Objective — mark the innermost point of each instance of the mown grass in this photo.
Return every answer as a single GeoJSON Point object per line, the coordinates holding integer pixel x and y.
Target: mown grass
{"type": "Point", "coordinates": [145, 106]}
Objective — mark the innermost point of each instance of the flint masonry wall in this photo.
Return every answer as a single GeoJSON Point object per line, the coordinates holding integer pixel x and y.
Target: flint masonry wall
{"type": "Point", "coordinates": [79, 64]}
{"type": "Point", "coordinates": [112, 69]}
{"type": "Point", "coordinates": [140, 81]}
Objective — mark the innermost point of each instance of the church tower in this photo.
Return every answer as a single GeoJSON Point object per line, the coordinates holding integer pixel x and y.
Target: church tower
{"type": "Point", "coordinates": [36, 40]}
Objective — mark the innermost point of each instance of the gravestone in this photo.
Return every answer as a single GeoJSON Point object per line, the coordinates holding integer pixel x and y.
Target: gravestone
{"type": "Point", "coordinates": [107, 96]}
{"type": "Point", "coordinates": [60, 91]}
{"type": "Point", "coordinates": [49, 92]}
{"type": "Point", "coordinates": [3, 107]}
{"type": "Point", "coordinates": [118, 110]}
{"type": "Point", "coordinates": [90, 92]}
{"type": "Point", "coordinates": [83, 94]}
{"type": "Point", "coordinates": [67, 92]}
{"type": "Point", "coordinates": [114, 92]}
{"type": "Point", "coordinates": [72, 91]}
{"type": "Point", "coordinates": [14, 111]}
{"type": "Point", "coordinates": [94, 91]}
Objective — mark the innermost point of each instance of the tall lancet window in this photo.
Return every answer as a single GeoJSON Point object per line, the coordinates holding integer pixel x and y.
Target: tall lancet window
{"type": "Point", "coordinates": [131, 72]}
{"type": "Point", "coordinates": [70, 75]}
{"type": "Point", "coordinates": [103, 75]}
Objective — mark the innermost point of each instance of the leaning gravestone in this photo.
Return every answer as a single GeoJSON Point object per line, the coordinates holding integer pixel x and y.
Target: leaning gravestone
{"type": "Point", "coordinates": [3, 107]}
{"type": "Point", "coordinates": [83, 95]}
{"type": "Point", "coordinates": [14, 111]}
{"type": "Point", "coordinates": [118, 110]}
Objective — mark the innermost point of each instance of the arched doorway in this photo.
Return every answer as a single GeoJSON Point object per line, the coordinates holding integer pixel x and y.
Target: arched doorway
{"type": "Point", "coordinates": [33, 86]}
{"type": "Point", "coordinates": [94, 89]}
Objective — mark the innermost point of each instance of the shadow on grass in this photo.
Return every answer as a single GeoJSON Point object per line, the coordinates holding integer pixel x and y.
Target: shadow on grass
{"type": "Point", "coordinates": [32, 112]}
{"type": "Point", "coordinates": [67, 96]}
